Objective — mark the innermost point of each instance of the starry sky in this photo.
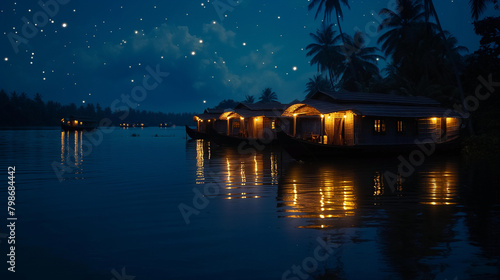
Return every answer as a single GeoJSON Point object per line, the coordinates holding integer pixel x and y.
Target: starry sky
{"type": "Point", "coordinates": [100, 51]}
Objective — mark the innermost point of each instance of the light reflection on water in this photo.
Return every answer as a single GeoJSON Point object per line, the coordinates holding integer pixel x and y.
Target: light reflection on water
{"type": "Point", "coordinates": [240, 176]}
{"type": "Point", "coordinates": [118, 206]}
{"type": "Point", "coordinates": [319, 194]}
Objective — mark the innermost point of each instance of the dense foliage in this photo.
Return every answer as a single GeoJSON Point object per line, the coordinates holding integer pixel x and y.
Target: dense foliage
{"type": "Point", "coordinates": [21, 110]}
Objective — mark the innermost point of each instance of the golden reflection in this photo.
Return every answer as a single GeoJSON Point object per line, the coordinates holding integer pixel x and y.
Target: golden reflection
{"type": "Point", "coordinates": [378, 184]}
{"type": "Point", "coordinates": [229, 182]}
{"type": "Point", "coordinates": [200, 162]}
{"type": "Point", "coordinates": [440, 184]}
{"type": "Point", "coordinates": [72, 152]}
{"type": "Point", "coordinates": [244, 176]}
{"type": "Point", "coordinates": [321, 194]}
{"type": "Point", "coordinates": [274, 168]}
{"type": "Point", "coordinates": [242, 172]}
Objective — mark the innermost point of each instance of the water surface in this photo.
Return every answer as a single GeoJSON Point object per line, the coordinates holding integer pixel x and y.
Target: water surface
{"type": "Point", "coordinates": [88, 204]}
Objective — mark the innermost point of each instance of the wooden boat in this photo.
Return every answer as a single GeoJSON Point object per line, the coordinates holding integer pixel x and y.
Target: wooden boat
{"type": "Point", "coordinates": [78, 124]}
{"type": "Point", "coordinates": [229, 140]}
{"type": "Point", "coordinates": [306, 150]}
{"type": "Point", "coordinates": [196, 134]}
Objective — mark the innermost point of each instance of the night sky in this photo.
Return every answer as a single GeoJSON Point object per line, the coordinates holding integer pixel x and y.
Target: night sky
{"type": "Point", "coordinates": [97, 51]}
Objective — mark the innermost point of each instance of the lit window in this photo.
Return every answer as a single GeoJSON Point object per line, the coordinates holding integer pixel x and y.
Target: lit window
{"type": "Point", "coordinates": [400, 127]}
{"type": "Point", "coordinates": [273, 124]}
{"type": "Point", "coordinates": [379, 127]}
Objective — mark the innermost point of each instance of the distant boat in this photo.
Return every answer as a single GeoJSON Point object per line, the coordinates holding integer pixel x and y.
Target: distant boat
{"type": "Point", "coordinates": [306, 150]}
{"type": "Point", "coordinates": [196, 134]}
{"type": "Point", "coordinates": [78, 124]}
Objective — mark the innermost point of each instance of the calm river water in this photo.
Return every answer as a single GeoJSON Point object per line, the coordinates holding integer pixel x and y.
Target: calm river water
{"type": "Point", "coordinates": [158, 206]}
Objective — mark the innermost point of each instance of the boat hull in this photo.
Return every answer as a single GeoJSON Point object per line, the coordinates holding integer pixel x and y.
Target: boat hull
{"type": "Point", "coordinates": [226, 140]}
{"type": "Point", "coordinates": [196, 134]}
{"type": "Point", "coordinates": [305, 150]}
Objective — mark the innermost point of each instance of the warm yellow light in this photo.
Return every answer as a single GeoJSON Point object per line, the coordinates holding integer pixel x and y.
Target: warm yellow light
{"type": "Point", "coordinates": [201, 120]}
{"type": "Point", "coordinates": [242, 118]}
{"type": "Point", "coordinates": [322, 116]}
{"type": "Point", "coordinates": [81, 123]}
{"type": "Point", "coordinates": [345, 116]}
{"type": "Point", "coordinates": [76, 122]}
{"type": "Point", "coordinates": [295, 114]}
{"type": "Point", "coordinates": [434, 119]}
{"type": "Point", "coordinates": [209, 120]}
{"type": "Point", "coordinates": [62, 120]}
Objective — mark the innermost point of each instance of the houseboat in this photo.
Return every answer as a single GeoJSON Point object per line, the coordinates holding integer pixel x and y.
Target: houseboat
{"type": "Point", "coordinates": [251, 123]}
{"type": "Point", "coordinates": [204, 123]}
{"type": "Point", "coordinates": [331, 124]}
{"type": "Point", "coordinates": [78, 124]}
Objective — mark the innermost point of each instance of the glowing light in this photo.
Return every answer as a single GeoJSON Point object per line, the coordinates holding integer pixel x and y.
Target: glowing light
{"type": "Point", "coordinates": [193, 53]}
{"type": "Point", "coordinates": [64, 25]}
{"type": "Point", "coordinates": [201, 41]}
{"type": "Point", "coordinates": [204, 101]}
{"type": "Point", "coordinates": [244, 44]}
{"type": "Point", "coordinates": [6, 59]}
{"type": "Point", "coordinates": [136, 32]}
{"type": "Point", "coordinates": [294, 68]}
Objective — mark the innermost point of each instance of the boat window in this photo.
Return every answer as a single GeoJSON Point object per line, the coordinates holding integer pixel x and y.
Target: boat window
{"type": "Point", "coordinates": [379, 126]}
{"type": "Point", "coordinates": [400, 127]}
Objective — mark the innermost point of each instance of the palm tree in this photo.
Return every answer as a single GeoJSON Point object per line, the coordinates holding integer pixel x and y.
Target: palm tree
{"type": "Point", "coordinates": [478, 6]}
{"type": "Point", "coordinates": [401, 28]}
{"type": "Point", "coordinates": [268, 95]}
{"type": "Point", "coordinates": [329, 6]}
{"type": "Point", "coordinates": [317, 83]}
{"type": "Point", "coordinates": [249, 99]}
{"type": "Point", "coordinates": [430, 10]}
{"type": "Point", "coordinates": [360, 64]}
{"type": "Point", "coordinates": [324, 52]}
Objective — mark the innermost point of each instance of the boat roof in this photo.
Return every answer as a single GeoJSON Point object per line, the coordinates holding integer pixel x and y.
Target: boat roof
{"type": "Point", "coordinates": [316, 107]}
{"type": "Point", "coordinates": [238, 113]}
{"type": "Point", "coordinates": [262, 106]}
{"type": "Point", "coordinates": [372, 98]}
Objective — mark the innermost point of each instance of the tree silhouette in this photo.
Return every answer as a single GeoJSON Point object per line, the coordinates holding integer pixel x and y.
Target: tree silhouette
{"type": "Point", "coordinates": [268, 96]}
{"type": "Point", "coordinates": [359, 66]}
{"type": "Point", "coordinates": [317, 83]}
{"type": "Point", "coordinates": [478, 7]}
{"type": "Point", "coordinates": [325, 54]}
{"type": "Point", "coordinates": [249, 99]}
{"type": "Point", "coordinates": [329, 6]}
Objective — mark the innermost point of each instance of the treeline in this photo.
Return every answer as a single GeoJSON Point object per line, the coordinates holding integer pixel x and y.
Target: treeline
{"type": "Point", "coordinates": [21, 110]}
